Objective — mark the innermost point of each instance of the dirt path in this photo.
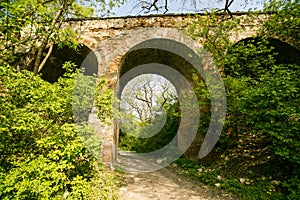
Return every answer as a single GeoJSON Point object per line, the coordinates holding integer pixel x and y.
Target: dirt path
{"type": "Point", "coordinates": [165, 184]}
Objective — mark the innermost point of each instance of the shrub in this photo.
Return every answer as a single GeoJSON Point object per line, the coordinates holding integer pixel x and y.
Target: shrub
{"type": "Point", "coordinates": [42, 156]}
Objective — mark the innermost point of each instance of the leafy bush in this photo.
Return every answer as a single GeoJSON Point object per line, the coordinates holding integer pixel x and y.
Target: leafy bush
{"type": "Point", "coordinates": [272, 108]}
{"type": "Point", "coordinates": [159, 140]}
{"type": "Point", "coordinates": [42, 156]}
{"type": "Point", "coordinates": [250, 58]}
{"type": "Point", "coordinates": [261, 132]}
{"type": "Point", "coordinates": [268, 108]}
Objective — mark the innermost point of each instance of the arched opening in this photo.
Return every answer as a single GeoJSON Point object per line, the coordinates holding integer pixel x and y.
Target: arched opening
{"type": "Point", "coordinates": [53, 67]}
{"type": "Point", "coordinates": [148, 101]}
{"type": "Point", "coordinates": [264, 51]}
{"type": "Point", "coordinates": [178, 64]}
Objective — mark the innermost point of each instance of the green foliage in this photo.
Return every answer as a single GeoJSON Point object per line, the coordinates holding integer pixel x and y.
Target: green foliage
{"type": "Point", "coordinates": [29, 28]}
{"type": "Point", "coordinates": [157, 141]}
{"type": "Point", "coordinates": [83, 97]}
{"type": "Point", "coordinates": [203, 96]}
{"type": "Point", "coordinates": [213, 32]}
{"type": "Point", "coordinates": [259, 188]}
{"type": "Point", "coordinates": [188, 164]}
{"type": "Point", "coordinates": [165, 136]}
{"type": "Point", "coordinates": [267, 108]}
{"type": "Point", "coordinates": [249, 58]}
{"type": "Point", "coordinates": [105, 101]}
{"type": "Point", "coordinates": [262, 105]}
{"type": "Point", "coordinates": [42, 156]}
{"type": "Point", "coordinates": [284, 22]}
{"type": "Point", "coordinates": [272, 107]}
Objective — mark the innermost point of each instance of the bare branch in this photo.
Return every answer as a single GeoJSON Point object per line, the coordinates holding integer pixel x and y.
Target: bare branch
{"type": "Point", "coordinates": [227, 5]}
{"type": "Point", "coordinates": [147, 96]}
{"type": "Point", "coordinates": [166, 6]}
{"type": "Point", "coordinates": [150, 5]}
{"type": "Point", "coordinates": [46, 58]}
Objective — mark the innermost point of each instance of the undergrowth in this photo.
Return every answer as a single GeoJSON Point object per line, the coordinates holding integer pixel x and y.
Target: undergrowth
{"type": "Point", "coordinates": [41, 153]}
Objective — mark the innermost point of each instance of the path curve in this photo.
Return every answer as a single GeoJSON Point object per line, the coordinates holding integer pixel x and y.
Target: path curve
{"type": "Point", "coordinates": [165, 184]}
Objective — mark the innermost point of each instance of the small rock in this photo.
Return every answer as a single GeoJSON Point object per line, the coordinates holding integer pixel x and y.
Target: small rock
{"type": "Point", "coordinates": [275, 182]}
{"type": "Point", "coordinates": [136, 179]}
{"type": "Point", "coordinates": [218, 185]}
{"type": "Point", "coordinates": [159, 161]}
{"type": "Point", "coordinates": [242, 180]}
{"type": "Point", "coordinates": [123, 189]}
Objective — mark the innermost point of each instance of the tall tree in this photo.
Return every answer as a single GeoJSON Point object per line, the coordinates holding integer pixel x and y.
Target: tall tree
{"type": "Point", "coordinates": [147, 96]}
{"type": "Point", "coordinates": [31, 27]}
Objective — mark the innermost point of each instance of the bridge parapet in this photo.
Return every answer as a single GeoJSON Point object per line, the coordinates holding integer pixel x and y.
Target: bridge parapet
{"type": "Point", "coordinates": [95, 30]}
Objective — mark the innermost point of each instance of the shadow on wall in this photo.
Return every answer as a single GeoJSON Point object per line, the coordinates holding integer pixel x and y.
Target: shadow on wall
{"type": "Point", "coordinates": [258, 51]}
{"type": "Point", "coordinates": [285, 53]}
{"type": "Point", "coordinates": [53, 68]}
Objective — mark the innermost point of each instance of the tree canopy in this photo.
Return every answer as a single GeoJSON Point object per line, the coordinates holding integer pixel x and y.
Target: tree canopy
{"type": "Point", "coordinates": [31, 27]}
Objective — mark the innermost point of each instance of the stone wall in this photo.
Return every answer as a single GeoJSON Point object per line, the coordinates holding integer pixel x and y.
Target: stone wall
{"type": "Point", "coordinates": [111, 38]}
{"type": "Point", "coordinates": [94, 31]}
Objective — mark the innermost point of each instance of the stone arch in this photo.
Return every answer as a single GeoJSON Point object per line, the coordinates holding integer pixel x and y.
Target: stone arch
{"type": "Point", "coordinates": [119, 45]}
{"type": "Point", "coordinates": [113, 54]}
{"type": "Point", "coordinates": [286, 53]}
{"type": "Point", "coordinates": [53, 67]}
{"type": "Point", "coordinates": [283, 53]}
{"type": "Point", "coordinates": [158, 56]}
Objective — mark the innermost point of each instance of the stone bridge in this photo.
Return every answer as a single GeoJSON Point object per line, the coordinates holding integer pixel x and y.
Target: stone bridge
{"type": "Point", "coordinates": [119, 44]}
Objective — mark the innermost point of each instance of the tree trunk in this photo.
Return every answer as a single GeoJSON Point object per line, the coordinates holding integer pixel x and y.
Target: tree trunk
{"type": "Point", "coordinates": [38, 58]}
{"type": "Point", "coordinates": [39, 64]}
{"type": "Point", "coordinates": [46, 58]}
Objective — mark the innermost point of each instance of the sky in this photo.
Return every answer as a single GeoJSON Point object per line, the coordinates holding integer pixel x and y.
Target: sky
{"type": "Point", "coordinates": [132, 8]}
{"type": "Point", "coordinates": [156, 83]}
